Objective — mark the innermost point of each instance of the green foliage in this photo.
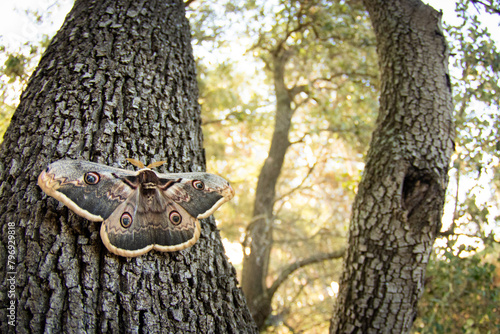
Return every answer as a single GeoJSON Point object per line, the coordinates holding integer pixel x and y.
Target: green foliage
{"type": "Point", "coordinates": [475, 78]}
{"type": "Point", "coordinates": [15, 67]}
{"type": "Point", "coordinates": [236, 127]}
{"type": "Point", "coordinates": [462, 295]}
{"type": "Point", "coordinates": [6, 112]}
{"type": "Point", "coordinates": [14, 74]}
{"type": "Point", "coordinates": [330, 50]}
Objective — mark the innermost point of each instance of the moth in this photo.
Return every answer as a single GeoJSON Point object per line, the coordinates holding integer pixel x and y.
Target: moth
{"type": "Point", "coordinates": [140, 210]}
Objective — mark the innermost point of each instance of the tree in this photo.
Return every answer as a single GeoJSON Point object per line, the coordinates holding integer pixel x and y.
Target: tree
{"type": "Point", "coordinates": [308, 53]}
{"type": "Point", "coordinates": [462, 266]}
{"type": "Point", "coordinates": [118, 80]}
{"type": "Point", "coordinates": [397, 211]}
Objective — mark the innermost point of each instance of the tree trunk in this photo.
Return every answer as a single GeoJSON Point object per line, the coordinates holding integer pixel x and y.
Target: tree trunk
{"type": "Point", "coordinates": [117, 81]}
{"type": "Point", "coordinates": [397, 211]}
{"type": "Point", "coordinates": [259, 238]}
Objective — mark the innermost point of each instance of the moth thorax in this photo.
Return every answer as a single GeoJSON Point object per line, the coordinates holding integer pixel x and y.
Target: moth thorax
{"type": "Point", "coordinates": [148, 179]}
{"type": "Point", "coordinates": [149, 185]}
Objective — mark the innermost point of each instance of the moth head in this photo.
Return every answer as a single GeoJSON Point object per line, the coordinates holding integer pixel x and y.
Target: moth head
{"type": "Point", "coordinates": [136, 163]}
{"type": "Point", "coordinates": [148, 179]}
{"type": "Point", "coordinates": [141, 165]}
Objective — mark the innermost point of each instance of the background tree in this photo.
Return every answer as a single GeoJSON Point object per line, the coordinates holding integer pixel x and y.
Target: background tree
{"type": "Point", "coordinates": [398, 208]}
{"type": "Point", "coordinates": [318, 63]}
{"type": "Point", "coordinates": [303, 39]}
{"type": "Point", "coordinates": [117, 81]}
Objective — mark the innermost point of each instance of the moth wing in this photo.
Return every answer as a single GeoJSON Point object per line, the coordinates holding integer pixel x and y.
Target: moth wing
{"type": "Point", "coordinates": [165, 226]}
{"type": "Point", "coordinates": [200, 203]}
{"type": "Point", "coordinates": [65, 181]}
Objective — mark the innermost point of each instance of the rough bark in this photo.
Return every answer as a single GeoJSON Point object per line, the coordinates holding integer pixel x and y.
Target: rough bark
{"type": "Point", "coordinates": [117, 81]}
{"type": "Point", "coordinates": [397, 211]}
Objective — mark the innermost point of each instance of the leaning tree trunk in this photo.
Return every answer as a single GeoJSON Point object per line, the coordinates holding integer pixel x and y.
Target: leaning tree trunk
{"type": "Point", "coordinates": [117, 81]}
{"type": "Point", "coordinates": [259, 237]}
{"type": "Point", "coordinates": [397, 211]}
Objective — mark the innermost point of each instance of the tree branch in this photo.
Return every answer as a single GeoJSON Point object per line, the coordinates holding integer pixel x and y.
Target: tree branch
{"type": "Point", "coordinates": [297, 90]}
{"type": "Point", "coordinates": [304, 179]}
{"type": "Point", "coordinates": [488, 8]}
{"type": "Point", "coordinates": [300, 264]}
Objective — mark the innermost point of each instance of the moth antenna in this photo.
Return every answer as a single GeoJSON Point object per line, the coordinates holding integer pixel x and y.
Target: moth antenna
{"type": "Point", "coordinates": [156, 164]}
{"type": "Point", "coordinates": [136, 163]}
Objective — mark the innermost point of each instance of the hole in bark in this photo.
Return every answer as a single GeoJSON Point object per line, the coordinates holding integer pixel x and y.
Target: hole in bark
{"type": "Point", "coordinates": [415, 189]}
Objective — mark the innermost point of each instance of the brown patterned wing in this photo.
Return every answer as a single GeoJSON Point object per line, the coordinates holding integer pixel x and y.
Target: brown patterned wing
{"type": "Point", "coordinates": [200, 194]}
{"type": "Point", "coordinates": [91, 190]}
{"type": "Point", "coordinates": [136, 227]}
